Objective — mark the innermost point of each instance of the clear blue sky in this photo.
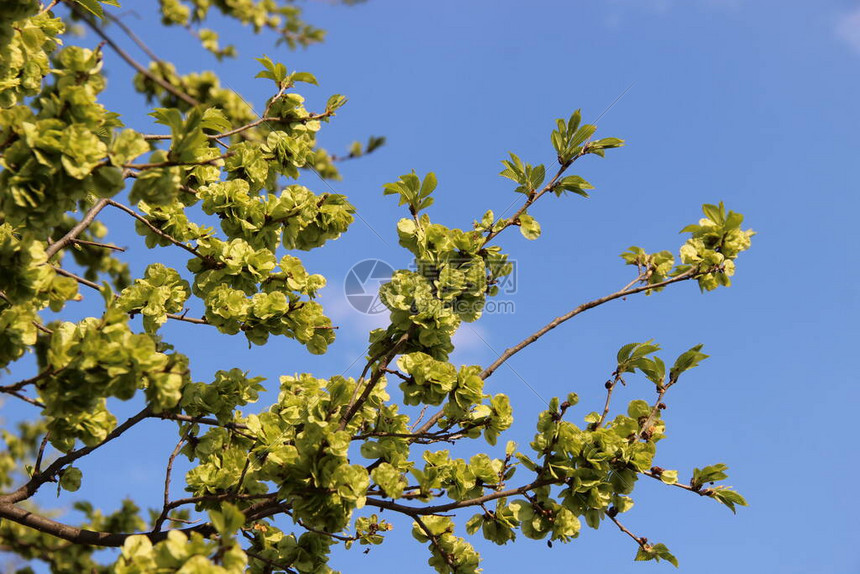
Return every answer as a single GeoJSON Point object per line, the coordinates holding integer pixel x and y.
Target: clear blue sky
{"type": "Point", "coordinates": [750, 102]}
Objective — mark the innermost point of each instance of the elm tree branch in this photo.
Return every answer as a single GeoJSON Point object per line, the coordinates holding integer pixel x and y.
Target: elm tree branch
{"type": "Point", "coordinates": [442, 508]}
{"type": "Point", "coordinates": [435, 541]}
{"type": "Point", "coordinates": [26, 399]}
{"type": "Point", "coordinates": [77, 229]}
{"type": "Point", "coordinates": [163, 516]}
{"type": "Point", "coordinates": [641, 541]}
{"type": "Point", "coordinates": [374, 378]}
{"type": "Point", "coordinates": [656, 471]}
{"type": "Point", "coordinates": [510, 352]}
{"type": "Point", "coordinates": [37, 480]}
{"type": "Point", "coordinates": [536, 195]}
{"type": "Point", "coordinates": [610, 387]}
{"type": "Point", "coordinates": [131, 61]}
{"type": "Point", "coordinates": [83, 536]}
{"type": "Point", "coordinates": [158, 231]}
{"type": "Point", "coordinates": [687, 275]}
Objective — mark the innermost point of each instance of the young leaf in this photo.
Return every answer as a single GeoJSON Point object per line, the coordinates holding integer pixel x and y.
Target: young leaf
{"type": "Point", "coordinates": [687, 361]}
{"type": "Point", "coordinates": [529, 227]}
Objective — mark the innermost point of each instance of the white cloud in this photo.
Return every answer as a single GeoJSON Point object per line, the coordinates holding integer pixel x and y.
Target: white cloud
{"type": "Point", "coordinates": [848, 29]}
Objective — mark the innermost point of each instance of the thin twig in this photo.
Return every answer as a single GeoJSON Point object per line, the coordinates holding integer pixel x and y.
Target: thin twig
{"type": "Point", "coordinates": [580, 309]}
{"type": "Point", "coordinates": [49, 7]}
{"type": "Point", "coordinates": [131, 61]}
{"type": "Point", "coordinates": [442, 508]}
{"type": "Point", "coordinates": [134, 38]}
{"type": "Point", "coordinates": [182, 317]}
{"type": "Point", "coordinates": [156, 230]}
{"type": "Point", "coordinates": [199, 420]}
{"type": "Point", "coordinates": [700, 491]}
{"type": "Point", "coordinates": [77, 229]}
{"type": "Point", "coordinates": [510, 352]}
{"type": "Point", "coordinates": [26, 399]}
{"type": "Point", "coordinates": [609, 388]}
{"type": "Point", "coordinates": [161, 518]}
{"type": "Point", "coordinates": [78, 278]}
{"type": "Point", "coordinates": [38, 464]}
{"type": "Point", "coordinates": [435, 541]}
{"type": "Point", "coordinates": [29, 489]}
{"type": "Point", "coordinates": [26, 382]}
{"type": "Point", "coordinates": [643, 542]}
{"type": "Point", "coordinates": [380, 370]}
{"type": "Point", "coordinates": [97, 244]}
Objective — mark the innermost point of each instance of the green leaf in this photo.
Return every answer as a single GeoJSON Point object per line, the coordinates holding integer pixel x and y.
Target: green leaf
{"type": "Point", "coordinates": [428, 185]}
{"type": "Point", "coordinates": [93, 7]}
{"type": "Point", "coordinates": [228, 520]}
{"type": "Point", "coordinates": [728, 497]}
{"type": "Point", "coordinates": [305, 77]}
{"type": "Point", "coordinates": [529, 227]}
{"type": "Point", "coordinates": [583, 134]}
{"type": "Point", "coordinates": [70, 479]}
{"type": "Point", "coordinates": [127, 146]}
{"type": "Point", "coordinates": [669, 476]}
{"type": "Point", "coordinates": [686, 361]}
{"type": "Point", "coordinates": [574, 184]}
{"type": "Point", "coordinates": [335, 102]}
{"type": "Point", "coordinates": [656, 552]}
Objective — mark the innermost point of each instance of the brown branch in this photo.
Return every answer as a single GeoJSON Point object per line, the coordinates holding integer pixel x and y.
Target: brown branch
{"type": "Point", "coordinates": [98, 244]}
{"type": "Point", "coordinates": [271, 563]}
{"type": "Point", "coordinates": [37, 480]}
{"type": "Point", "coordinates": [131, 61]}
{"type": "Point", "coordinates": [83, 536]}
{"type": "Point", "coordinates": [142, 166]}
{"type": "Point", "coordinates": [77, 229]}
{"type": "Point", "coordinates": [434, 540]}
{"type": "Point", "coordinates": [656, 475]}
{"type": "Point", "coordinates": [643, 542]}
{"type": "Point", "coordinates": [441, 508]}
{"type": "Point", "coordinates": [199, 420]}
{"type": "Point", "coordinates": [580, 309]}
{"type": "Point", "coordinates": [97, 287]}
{"type": "Point", "coordinates": [26, 399]}
{"type": "Point", "coordinates": [269, 496]}
{"type": "Point", "coordinates": [49, 7]}
{"type": "Point", "coordinates": [511, 351]}
{"type": "Point", "coordinates": [610, 387]}
{"type": "Point", "coordinates": [182, 317]}
{"type": "Point", "coordinates": [26, 382]}
{"type": "Point", "coordinates": [380, 370]}
{"type": "Point", "coordinates": [266, 119]}
{"type": "Point", "coordinates": [78, 278]}
{"type": "Point", "coordinates": [41, 453]}
{"type": "Point", "coordinates": [156, 230]}
{"type": "Point", "coordinates": [425, 438]}
{"type": "Point", "coordinates": [534, 196]}
{"type": "Point", "coordinates": [134, 38]}
{"type": "Point", "coordinates": [161, 518]}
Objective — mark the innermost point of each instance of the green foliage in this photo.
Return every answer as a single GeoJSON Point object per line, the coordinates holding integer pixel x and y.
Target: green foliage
{"type": "Point", "coordinates": [277, 488]}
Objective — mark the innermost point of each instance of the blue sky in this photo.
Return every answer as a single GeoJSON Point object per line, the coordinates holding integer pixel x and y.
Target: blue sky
{"type": "Point", "coordinates": [748, 102]}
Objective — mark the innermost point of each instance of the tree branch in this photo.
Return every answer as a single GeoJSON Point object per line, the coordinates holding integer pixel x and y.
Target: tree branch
{"type": "Point", "coordinates": [83, 536]}
{"type": "Point", "coordinates": [37, 480]}
{"type": "Point", "coordinates": [161, 517]}
{"type": "Point", "coordinates": [510, 352]}
{"type": "Point", "coordinates": [77, 229]}
{"type": "Point", "coordinates": [374, 378]}
{"type": "Point", "coordinates": [156, 230]}
{"type": "Point", "coordinates": [131, 61]}
{"type": "Point", "coordinates": [442, 508]}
